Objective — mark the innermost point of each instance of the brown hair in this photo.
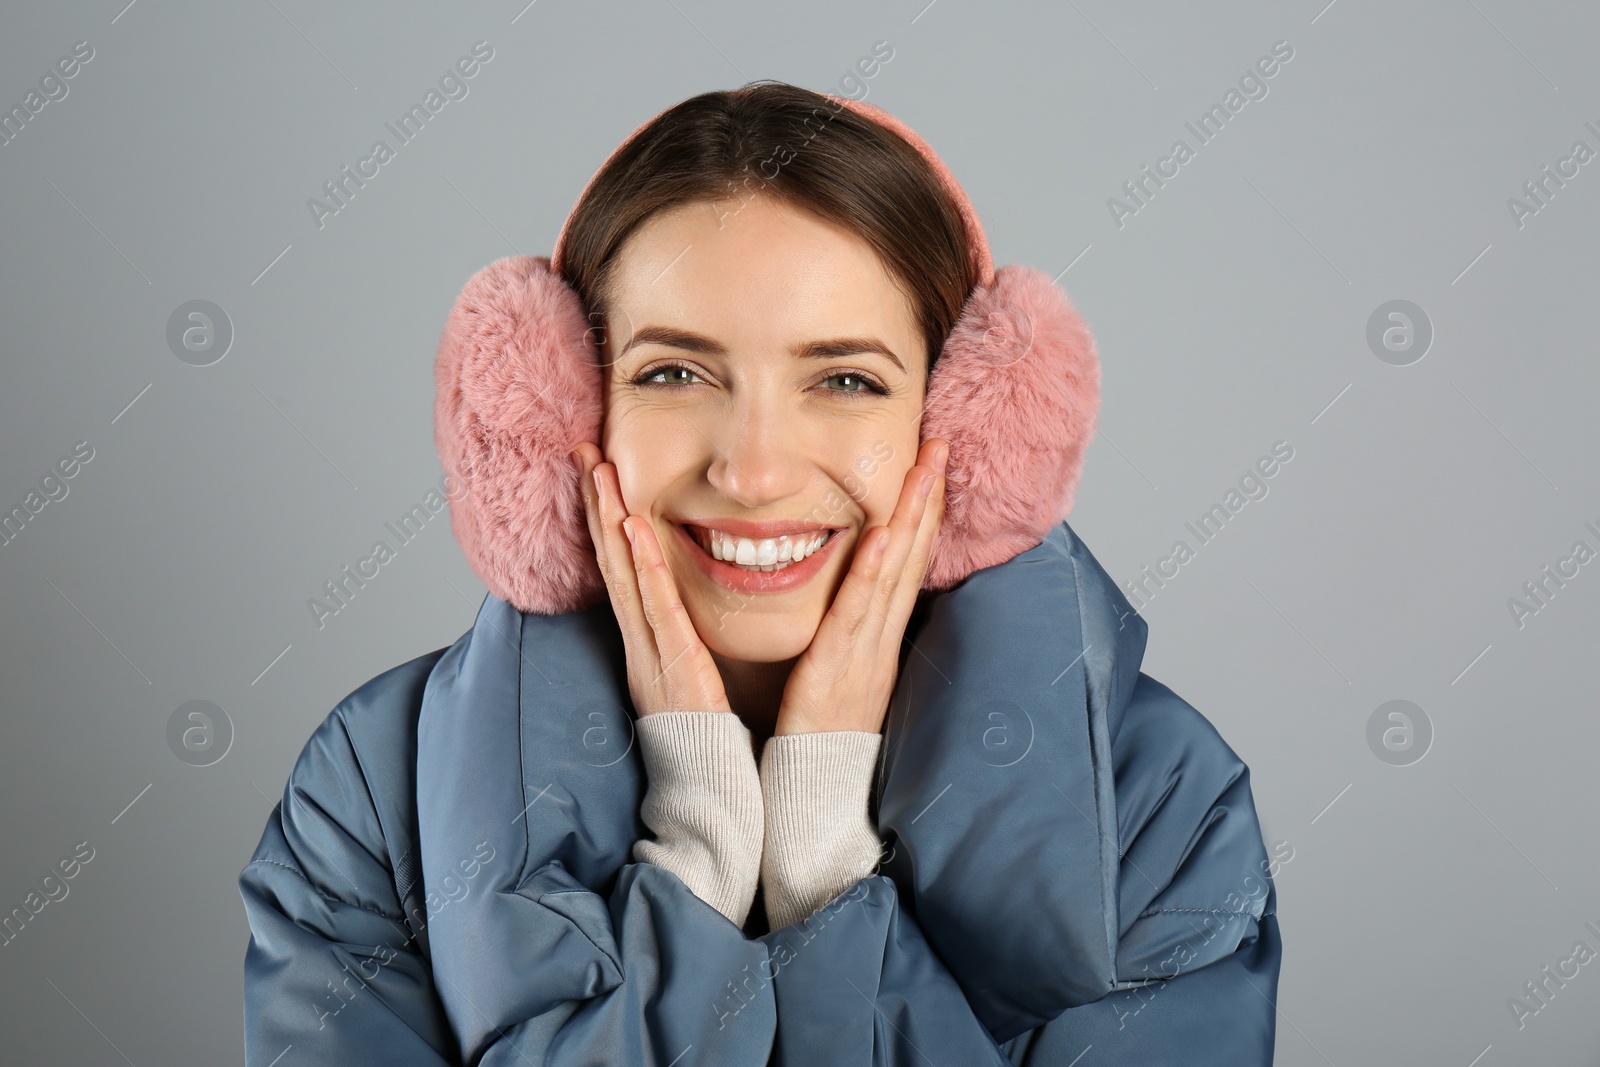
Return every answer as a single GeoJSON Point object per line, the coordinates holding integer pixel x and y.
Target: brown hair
{"type": "Point", "coordinates": [808, 151]}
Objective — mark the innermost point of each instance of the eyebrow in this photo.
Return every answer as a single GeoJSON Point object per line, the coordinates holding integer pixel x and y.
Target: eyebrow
{"type": "Point", "coordinates": [694, 342]}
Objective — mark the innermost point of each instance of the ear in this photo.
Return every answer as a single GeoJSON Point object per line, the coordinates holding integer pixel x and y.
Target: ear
{"type": "Point", "coordinates": [1016, 392]}
{"type": "Point", "coordinates": [519, 384]}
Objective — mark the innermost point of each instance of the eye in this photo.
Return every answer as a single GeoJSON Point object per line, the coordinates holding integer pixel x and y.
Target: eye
{"type": "Point", "coordinates": [658, 375]}
{"type": "Point", "coordinates": [865, 384]}
{"type": "Point", "coordinates": [667, 375]}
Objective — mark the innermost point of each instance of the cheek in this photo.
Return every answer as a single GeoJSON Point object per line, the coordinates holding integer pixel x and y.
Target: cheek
{"type": "Point", "coordinates": [875, 473]}
{"type": "Point", "coordinates": [651, 454]}
{"type": "Point", "coordinates": [884, 493]}
{"type": "Point", "coordinates": [626, 443]}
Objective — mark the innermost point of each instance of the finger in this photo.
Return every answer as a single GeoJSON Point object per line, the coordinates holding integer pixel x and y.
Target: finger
{"type": "Point", "coordinates": [622, 580]}
{"type": "Point", "coordinates": [657, 598]}
{"type": "Point", "coordinates": [860, 608]}
{"type": "Point", "coordinates": [687, 674]}
{"type": "Point", "coordinates": [904, 526]}
{"type": "Point", "coordinates": [587, 493]}
{"type": "Point", "coordinates": [904, 598]}
{"type": "Point", "coordinates": [841, 625]}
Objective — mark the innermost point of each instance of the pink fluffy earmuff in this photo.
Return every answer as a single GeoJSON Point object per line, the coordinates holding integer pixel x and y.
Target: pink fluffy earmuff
{"type": "Point", "coordinates": [1015, 391]}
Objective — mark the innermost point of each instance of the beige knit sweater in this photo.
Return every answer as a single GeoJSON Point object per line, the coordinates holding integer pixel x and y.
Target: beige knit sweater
{"type": "Point", "coordinates": [798, 822]}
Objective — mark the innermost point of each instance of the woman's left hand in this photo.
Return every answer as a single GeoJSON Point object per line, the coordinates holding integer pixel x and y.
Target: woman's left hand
{"type": "Point", "coordinates": [844, 679]}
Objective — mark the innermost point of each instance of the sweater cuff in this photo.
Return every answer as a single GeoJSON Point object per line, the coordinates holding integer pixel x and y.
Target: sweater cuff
{"type": "Point", "coordinates": [703, 803]}
{"type": "Point", "coordinates": [819, 837]}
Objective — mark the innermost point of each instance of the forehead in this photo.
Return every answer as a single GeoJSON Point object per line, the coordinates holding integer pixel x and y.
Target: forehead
{"type": "Point", "coordinates": [757, 272]}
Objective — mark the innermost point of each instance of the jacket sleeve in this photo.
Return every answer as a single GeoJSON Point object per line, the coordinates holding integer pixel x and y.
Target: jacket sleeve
{"type": "Point", "coordinates": [341, 965]}
{"type": "Point", "coordinates": [563, 950]}
{"type": "Point", "coordinates": [650, 974]}
{"type": "Point", "coordinates": [333, 971]}
{"type": "Point", "coordinates": [1198, 949]}
{"type": "Point", "coordinates": [335, 975]}
{"type": "Point", "coordinates": [854, 980]}
{"type": "Point", "coordinates": [1171, 860]}
{"type": "Point", "coordinates": [1217, 1015]}
{"type": "Point", "coordinates": [642, 973]}
{"type": "Point", "coordinates": [857, 983]}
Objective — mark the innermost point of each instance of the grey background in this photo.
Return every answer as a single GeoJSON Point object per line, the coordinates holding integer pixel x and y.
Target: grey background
{"type": "Point", "coordinates": [1231, 312]}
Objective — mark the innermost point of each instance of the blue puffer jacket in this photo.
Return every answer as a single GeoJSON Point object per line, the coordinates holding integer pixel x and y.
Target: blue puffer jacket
{"type": "Point", "coordinates": [1073, 863]}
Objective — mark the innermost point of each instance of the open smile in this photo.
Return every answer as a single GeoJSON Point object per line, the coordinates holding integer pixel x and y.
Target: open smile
{"type": "Point", "coordinates": [769, 564]}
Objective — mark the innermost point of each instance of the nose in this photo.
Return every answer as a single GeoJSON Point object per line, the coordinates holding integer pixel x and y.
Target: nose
{"type": "Point", "coordinates": [757, 457]}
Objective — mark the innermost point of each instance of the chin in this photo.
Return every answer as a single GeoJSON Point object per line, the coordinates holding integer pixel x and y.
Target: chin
{"type": "Point", "coordinates": [754, 637]}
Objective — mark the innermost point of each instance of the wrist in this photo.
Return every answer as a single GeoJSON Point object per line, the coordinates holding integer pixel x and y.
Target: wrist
{"type": "Point", "coordinates": [819, 836]}
{"type": "Point", "coordinates": [704, 805]}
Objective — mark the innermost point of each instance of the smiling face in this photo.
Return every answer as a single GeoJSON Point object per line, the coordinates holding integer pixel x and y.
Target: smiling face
{"type": "Point", "coordinates": [764, 374]}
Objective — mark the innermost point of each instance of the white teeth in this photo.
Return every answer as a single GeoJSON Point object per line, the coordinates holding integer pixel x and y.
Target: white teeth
{"type": "Point", "coordinates": [767, 554]}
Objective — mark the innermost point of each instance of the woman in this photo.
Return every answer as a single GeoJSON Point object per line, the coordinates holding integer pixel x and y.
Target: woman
{"type": "Point", "coordinates": [766, 746]}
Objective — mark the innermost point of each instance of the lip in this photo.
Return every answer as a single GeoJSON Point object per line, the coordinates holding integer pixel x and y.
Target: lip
{"type": "Point", "coordinates": [738, 580]}
{"type": "Point", "coordinates": [758, 530]}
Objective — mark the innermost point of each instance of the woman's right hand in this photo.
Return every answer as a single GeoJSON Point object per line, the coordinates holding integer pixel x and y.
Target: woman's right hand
{"type": "Point", "coordinates": [669, 667]}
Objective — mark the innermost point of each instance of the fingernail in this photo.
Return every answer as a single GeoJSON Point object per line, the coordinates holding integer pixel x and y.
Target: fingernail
{"type": "Point", "coordinates": [575, 460]}
{"type": "Point", "coordinates": [876, 551]}
{"type": "Point", "coordinates": [595, 475]}
{"type": "Point", "coordinates": [942, 458]}
{"type": "Point", "coordinates": [627, 528]}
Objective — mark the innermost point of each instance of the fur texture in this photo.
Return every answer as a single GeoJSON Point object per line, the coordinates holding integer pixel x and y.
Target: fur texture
{"type": "Point", "coordinates": [518, 385]}
{"type": "Point", "coordinates": [1016, 392]}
